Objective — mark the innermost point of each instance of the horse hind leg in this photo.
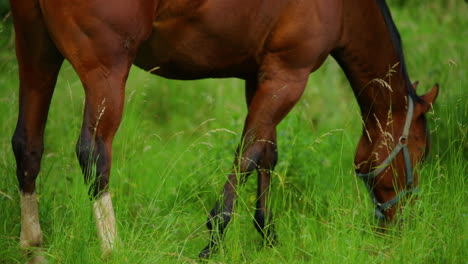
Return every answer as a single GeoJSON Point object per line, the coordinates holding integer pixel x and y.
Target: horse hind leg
{"type": "Point", "coordinates": [102, 116]}
{"type": "Point", "coordinates": [103, 73]}
{"type": "Point", "coordinates": [38, 66]}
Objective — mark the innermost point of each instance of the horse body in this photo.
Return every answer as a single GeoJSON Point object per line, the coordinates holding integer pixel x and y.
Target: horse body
{"type": "Point", "coordinates": [272, 45]}
{"type": "Point", "coordinates": [203, 41]}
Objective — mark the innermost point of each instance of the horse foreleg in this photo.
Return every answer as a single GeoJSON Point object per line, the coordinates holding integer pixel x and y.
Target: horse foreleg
{"type": "Point", "coordinates": [277, 92]}
{"type": "Point", "coordinates": [263, 216]}
{"type": "Point", "coordinates": [263, 221]}
{"type": "Point", "coordinates": [220, 215]}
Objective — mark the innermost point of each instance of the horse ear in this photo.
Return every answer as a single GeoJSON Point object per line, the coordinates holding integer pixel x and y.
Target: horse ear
{"type": "Point", "coordinates": [415, 85]}
{"type": "Point", "coordinates": [429, 98]}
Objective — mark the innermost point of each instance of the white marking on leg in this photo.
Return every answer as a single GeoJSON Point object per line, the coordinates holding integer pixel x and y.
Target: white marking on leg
{"type": "Point", "coordinates": [31, 235]}
{"type": "Point", "coordinates": [105, 222]}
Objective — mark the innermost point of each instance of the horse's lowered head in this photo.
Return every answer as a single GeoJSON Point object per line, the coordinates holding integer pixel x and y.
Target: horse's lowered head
{"type": "Point", "coordinates": [391, 146]}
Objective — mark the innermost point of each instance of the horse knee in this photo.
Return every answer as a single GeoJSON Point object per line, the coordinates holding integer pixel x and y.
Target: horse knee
{"type": "Point", "coordinates": [94, 162]}
{"type": "Point", "coordinates": [28, 161]}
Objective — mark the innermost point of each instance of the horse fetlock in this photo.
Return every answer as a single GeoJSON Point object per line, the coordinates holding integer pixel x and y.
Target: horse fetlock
{"type": "Point", "coordinates": [265, 227]}
{"type": "Point", "coordinates": [86, 153]}
{"type": "Point", "coordinates": [31, 237]}
{"type": "Point", "coordinates": [95, 164]}
{"type": "Point", "coordinates": [209, 250]}
{"type": "Point", "coordinates": [218, 219]}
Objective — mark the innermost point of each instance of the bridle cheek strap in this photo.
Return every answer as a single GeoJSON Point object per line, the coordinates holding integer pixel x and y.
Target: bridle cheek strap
{"type": "Point", "coordinates": [401, 146]}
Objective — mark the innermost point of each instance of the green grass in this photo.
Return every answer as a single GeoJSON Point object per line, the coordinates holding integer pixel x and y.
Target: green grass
{"type": "Point", "coordinates": [175, 147]}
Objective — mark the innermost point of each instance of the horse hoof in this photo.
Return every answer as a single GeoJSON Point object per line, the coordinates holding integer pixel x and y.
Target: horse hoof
{"type": "Point", "coordinates": [37, 259]}
{"type": "Point", "coordinates": [205, 253]}
{"type": "Point", "coordinates": [272, 242]}
{"type": "Point", "coordinates": [106, 253]}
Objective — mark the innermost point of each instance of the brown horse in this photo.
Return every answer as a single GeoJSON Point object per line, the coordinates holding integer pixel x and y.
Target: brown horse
{"type": "Point", "coordinates": [272, 44]}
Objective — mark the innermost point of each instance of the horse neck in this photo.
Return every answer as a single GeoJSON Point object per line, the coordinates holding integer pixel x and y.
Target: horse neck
{"type": "Point", "coordinates": [370, 61]}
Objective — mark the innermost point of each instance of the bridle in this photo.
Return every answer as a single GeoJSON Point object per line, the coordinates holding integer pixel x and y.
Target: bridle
{"type": "Point", "coordinates": [401, 146]}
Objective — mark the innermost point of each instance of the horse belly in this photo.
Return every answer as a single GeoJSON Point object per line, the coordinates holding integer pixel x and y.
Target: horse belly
{"type": "Point", "coordinates": [185, 52]}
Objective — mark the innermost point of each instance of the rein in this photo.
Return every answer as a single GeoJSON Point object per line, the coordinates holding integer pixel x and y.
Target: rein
{"type": "Point", "coordinates": [401, 146]}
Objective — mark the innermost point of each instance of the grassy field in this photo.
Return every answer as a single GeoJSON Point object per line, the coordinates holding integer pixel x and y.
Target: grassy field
{"type": "Point", "coordinates": [175, 147]}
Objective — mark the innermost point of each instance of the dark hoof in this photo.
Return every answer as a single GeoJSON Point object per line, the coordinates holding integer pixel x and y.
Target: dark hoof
{"type": "Point", "coordinates": [206, 253]}
{"type": "Point", "coordinates": [271, 242]}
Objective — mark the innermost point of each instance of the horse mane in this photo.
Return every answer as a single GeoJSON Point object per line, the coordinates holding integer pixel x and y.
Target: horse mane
{"type": "Point", "coordinates": [397, 45]}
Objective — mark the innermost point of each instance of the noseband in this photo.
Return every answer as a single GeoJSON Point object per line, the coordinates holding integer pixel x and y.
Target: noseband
{"type": "Point", "coordinates": [401, 146]}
